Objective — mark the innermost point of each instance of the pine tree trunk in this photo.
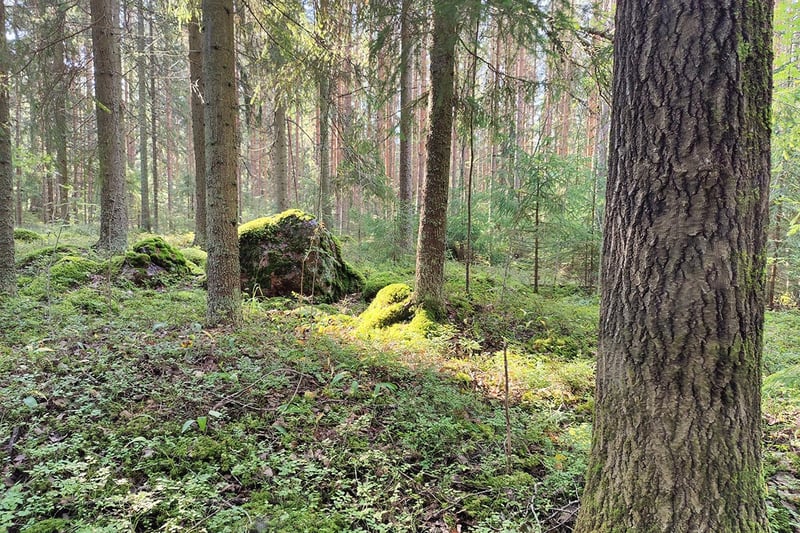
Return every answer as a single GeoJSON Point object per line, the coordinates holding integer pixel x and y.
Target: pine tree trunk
{"type": "Point", "coordinates": [429, 281]}
{"type": "Point", "coordinates": [198, 130]}
{"type": "Point", "coordinates": [141, 72]}
{"type": "Point", "coordinates": [110, 133]}
{"type": "Point", "coordinates": [677, 434]}
{"type": "Point", "coordinates": [154, 128]}
{"type": "Point", "coordinates": [8, 279]}
{"type": "Point", "coordinates": [405, 210]}
{"type": "Point", "coordinates": [281, 159]}
{"type": "Point", "coordinates": [219, 63]}
{"type": "Point", "coordinates": [60, 120]}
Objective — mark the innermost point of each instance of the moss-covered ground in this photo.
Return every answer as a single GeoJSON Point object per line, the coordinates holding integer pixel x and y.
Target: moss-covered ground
{"type": "Point", "coordinates": [119, 411]}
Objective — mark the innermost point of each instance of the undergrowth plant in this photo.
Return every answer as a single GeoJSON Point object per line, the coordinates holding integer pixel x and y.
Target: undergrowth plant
{"type": "Point", "coordinates": [121, 412]}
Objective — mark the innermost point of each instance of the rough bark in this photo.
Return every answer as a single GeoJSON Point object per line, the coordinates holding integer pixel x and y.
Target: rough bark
{"type": "Point", "coordinates": [429, 280]}
{"type": "Point", "coordinates": [198, 130]}
{"type": "Point", "coordinates": [8, 279]}
{"type": "Point", "coordinates": [405, 210]}
{"type": "Point", "coordinates": [110, 140]}
{"type": "Point", "coordinates": [677, 437]}
{"type": "Point", "coordinates": [280, 157]}
{"type": "Point", "coordinates": [219, 62]}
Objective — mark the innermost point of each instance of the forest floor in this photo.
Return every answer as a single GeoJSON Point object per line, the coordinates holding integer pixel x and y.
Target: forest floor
{"type": "Point", "coordinates": [119, 411]}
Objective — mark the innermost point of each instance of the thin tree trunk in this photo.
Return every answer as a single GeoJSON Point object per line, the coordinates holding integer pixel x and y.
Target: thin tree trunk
{"type": "Point", "coordinates": [154, 129]}
{"type": "Point", "coordinates": [405, 210]}
{"type": "Point", "coordinates": [170, 164]}
{"type": "Point", "coordinates": [429, 281]}
{"type": "Point", "coordinates": [8, 279]}
{"type": "Point", "coordinates": [60, 121]}
{"type": "Point", "coordinates": [141, 72]}
{"type": "Point", "coordinates": [198, 130]}
{"type": "Point", "coordinates": [280, 159]}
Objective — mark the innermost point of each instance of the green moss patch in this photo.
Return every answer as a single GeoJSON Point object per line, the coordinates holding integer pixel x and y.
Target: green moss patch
{"type": "Point", "coordinates": [26, 235]}
{"type": "Point", "coordinates": [784, 385]}
{"type": "Point", "coordinates": [378, 280]}
{"type": "Point", "coordinates": [196, 255]}
{"type": "Point", "coordinates": [391, 305]}
{"type": "Point", "coordinates": [153, 262]}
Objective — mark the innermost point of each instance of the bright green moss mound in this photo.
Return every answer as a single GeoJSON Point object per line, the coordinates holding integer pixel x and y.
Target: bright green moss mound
{"type": "Point", "coordinates": [26, 235]}
{"type": "Point", "coordinates": [391, 305]}
{"type": "Point", "coordinates": [72, 271]}
{"type": "Point", "coordinates": [56, 271]}
{"type": "Point", "coordinates": [196, 255]}
{"type": "Point", "coordinates": [42, 258]}
{"type": "Point", "coordinates": [293, 253]}
{"type": "Point", "coordinates": [162, 254]}
{"type": "Point", "coordinates": [375, 282]}
{"type": "Point", "coordinates": [153, 262]}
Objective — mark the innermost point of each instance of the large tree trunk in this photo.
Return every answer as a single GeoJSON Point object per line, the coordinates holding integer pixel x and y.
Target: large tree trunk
{"type": "Point", "coordinates": [8, 279]}
{"type": "Point", "coordinates": [677, 435]}
{"type": "Point", "coordinates": [406, 208]}
{"type": "Point", "coordinates": [198, 130]}
{"type": "Point", "coordinates": [110, 140]}
{"type": "Point", "coordinates": [219, 63]}
{"type": "Point", "coordinates": [429, 281]}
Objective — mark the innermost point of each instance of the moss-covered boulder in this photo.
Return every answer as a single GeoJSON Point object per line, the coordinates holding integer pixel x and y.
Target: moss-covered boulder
{"type": "Point", "coordinates": [26, 235]}
{"type": "Point", "coordinates": [293, 253]}
{"type": "Point", "coordinates": [154, 262]}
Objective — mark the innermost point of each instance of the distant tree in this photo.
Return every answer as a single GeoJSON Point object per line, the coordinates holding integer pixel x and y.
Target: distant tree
{"type": "Point", "coordinates": [280, 148]}
{"type": "Point", "coordinates": [280, 158]}
{"type": "Point", "coordinates": [406, 208]}
{"type": "Point", "coordinates": [429, 280]}
{"type": "Point", "coordinates": [219, 65]}
{"type": "Point", "coordinates": [8, 280]}
{"type": "Point", "coordinates": [59, 125]}
{"type": "Point", "coordinates": [324, 94]}
{"type": "Point", "coordinates": [198, 129]}
{"type": "Point", "coordinates": [141, 72]}
{"type": "Point", "coordinates": [677, 432]}
{"type": "Point", "coordinates": [110, 141]}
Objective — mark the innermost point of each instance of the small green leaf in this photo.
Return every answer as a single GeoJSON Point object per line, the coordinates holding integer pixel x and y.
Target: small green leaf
{"type": "Point", "coordinates": [215, 414]}
{"type": "Point", "coordinates": [31, 402]}
{"type": "Point", "coordinates": [187, 425]}
{"type": "Point", "coordinates": [338, 377]}
{"type": "Point", "coordinates": [202, 423]}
